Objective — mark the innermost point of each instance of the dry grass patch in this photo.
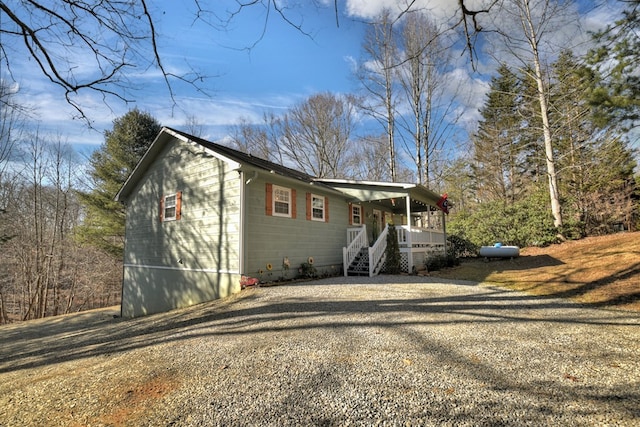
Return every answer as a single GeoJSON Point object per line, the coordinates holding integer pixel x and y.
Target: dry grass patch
{"type": "Point", "coordinates": [602, 271]}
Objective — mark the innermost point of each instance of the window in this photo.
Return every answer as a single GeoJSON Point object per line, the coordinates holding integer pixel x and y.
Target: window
{"type": "Point", "coordinates": [170, 207]}
{"type": "Point", "coordinates": [281, 201]}
{"type": "Point", "coordinates": [317, 208]}
{"type": "Point", "coordinates": [356, 215]}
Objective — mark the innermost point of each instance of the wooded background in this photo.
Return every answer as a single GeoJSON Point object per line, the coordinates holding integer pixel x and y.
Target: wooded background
{"type": "Point", "coordinates": [553, 157]}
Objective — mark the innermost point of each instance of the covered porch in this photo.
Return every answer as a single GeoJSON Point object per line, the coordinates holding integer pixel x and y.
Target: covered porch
{"type": "Point", "coordinates": [416, 212]}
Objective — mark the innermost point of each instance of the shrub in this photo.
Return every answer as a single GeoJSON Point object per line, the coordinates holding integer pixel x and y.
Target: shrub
{"type": "Point", "coordinates": [439, 261]}
{"type": "Point", "coordinates": [525, 223]}
{"type": "Point", "coordinates": [307, 270]}
{"type": "Point", "coordinates": [459, 247]}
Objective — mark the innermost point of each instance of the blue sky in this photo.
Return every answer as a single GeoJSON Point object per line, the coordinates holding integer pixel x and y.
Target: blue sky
{"type": "Point", "coordinates": [283, 68]}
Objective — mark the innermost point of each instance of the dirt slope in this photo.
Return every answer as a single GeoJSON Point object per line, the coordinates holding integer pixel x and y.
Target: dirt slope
{"type": "Point", "coordinates": [601, 271]}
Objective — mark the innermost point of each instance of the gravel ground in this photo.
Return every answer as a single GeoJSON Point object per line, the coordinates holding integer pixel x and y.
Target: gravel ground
{"type": "Point", "coordinates": [388, 351]}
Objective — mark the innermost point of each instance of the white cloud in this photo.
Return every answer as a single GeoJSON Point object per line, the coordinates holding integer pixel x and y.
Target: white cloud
{"type": "Point", "coordinates": [440, 10]}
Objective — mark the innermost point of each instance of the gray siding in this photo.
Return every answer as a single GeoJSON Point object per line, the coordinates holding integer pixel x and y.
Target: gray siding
{"type": "Point", "coordinates": [172, 264]}
{"type": "Point", "coordinates": [270, 238]}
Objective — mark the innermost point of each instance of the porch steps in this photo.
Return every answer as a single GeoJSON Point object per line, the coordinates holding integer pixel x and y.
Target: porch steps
{"type": "Point", "coordinates": [360, 265]}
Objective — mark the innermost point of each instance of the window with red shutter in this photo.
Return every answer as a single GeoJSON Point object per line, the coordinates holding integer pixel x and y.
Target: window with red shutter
{"type": "Point", "coordinates": [280, 201]}
{"type": "Point", "coordinates": [171, 207]}
{"type": "Point", "coordinates": [318, 207]}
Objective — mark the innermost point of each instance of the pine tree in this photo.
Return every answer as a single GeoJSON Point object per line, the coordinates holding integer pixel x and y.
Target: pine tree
{"type": "Point", "coordinates": [124, 146]}
{"type": "Point", "coordinates": [595, 166]}
{"type": "Point", "coordinates": [498, 144]}
{"type": "Point", "coordinates": [616, 58]}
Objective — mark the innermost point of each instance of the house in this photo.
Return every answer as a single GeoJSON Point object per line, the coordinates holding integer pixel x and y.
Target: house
{"type": "Point", "coordinates": [199, 215]}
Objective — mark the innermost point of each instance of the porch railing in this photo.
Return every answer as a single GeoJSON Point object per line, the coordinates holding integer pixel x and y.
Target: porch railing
{"type": "Point", "coordinates": [416, 237]}
{"type": "Point", "coordinates": [410, 239]}
{"type": "Point", "coordinates": [357, 239]}
{"type": "Point", "coordinates": [377, 253]}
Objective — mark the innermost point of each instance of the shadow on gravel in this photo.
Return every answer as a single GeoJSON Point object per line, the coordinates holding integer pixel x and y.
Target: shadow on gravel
{"type": "Point", "coordinates": [100, 333]}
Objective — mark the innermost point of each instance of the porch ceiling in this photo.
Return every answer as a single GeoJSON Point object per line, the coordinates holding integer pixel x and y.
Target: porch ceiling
{"type": "Point", "coordinates": [392, 195]}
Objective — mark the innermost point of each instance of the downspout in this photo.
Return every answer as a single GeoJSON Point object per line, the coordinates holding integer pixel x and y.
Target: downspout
{"type": "Point", "coordinates": [245, 180]}
{"type": "Point", "coordinates": [241, 240]}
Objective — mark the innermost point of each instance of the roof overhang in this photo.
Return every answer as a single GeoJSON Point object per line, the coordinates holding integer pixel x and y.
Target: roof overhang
{"type": "Point", "coordinates": [158, 144]}
{"type": "Point", "coordinates": [391, 194]}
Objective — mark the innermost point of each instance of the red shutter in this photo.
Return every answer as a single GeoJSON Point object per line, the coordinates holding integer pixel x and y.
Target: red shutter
{"type": "Point", "coordinates": [326, 209]}
{"type": "Point", "coordinates": [269, 200]}
{"type": "Point", "coordinates": [293, 203]}
{"type": "Point", "coordinates": [308, 206]}
{"type": "Point", "coordinates": [350, 213]}
{"type": "Point", "coordinates": [178, 204]}
{"type": "Point", "coordinates": [161, 208]}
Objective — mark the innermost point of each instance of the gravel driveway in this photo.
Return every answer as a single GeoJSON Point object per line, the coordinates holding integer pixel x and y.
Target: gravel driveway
{"type": "Point", "coordinates": [389, 350]}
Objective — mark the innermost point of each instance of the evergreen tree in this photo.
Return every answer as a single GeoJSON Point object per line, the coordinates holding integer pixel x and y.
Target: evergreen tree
{"type": "Point", "coordinates": [392, 251]}
{"type": "Point", "coordinates": [616, 59]}
{"type": "Point", "coordinates": [595, 166]}
{"type": "Point", "coordinates": [110, 166]}
{"type": "Point", "coordinates": [575, 137]}
{"type": "Point", "coordinates": [498, 145]}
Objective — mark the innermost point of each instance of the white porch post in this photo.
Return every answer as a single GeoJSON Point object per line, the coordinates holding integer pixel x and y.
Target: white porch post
{"type": "Point", "coordinates": [444, 230]}
{"type": "Point", "coordinates": [409, 242]}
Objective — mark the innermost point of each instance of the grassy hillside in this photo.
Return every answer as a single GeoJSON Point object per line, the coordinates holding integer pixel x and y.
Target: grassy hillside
{"type": "Point", "coordinates": [601, 271]}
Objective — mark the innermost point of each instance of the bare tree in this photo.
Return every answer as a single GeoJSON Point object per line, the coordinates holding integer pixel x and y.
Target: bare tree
{"type": "Point", "coordinates": [193, 126]}
{"type": "Point", "coordinates": [313, 136]}
{"type": "Point", "coordinates": [377, 76]}
{"type": "Point", "coordinates": [11, 127]}
{"type": "Point", "coordinates": [115, 37]}
{"type": "Point", "coordinates": [317, 134]}
{"type": "Point", "coordinates": [259, 139]}
{"type": "Point", "coordinates": [369, 161]}
{"type": "Point", "coordinates": [432, 101]}
{"type": "Point", "coordinates": [43, 261]}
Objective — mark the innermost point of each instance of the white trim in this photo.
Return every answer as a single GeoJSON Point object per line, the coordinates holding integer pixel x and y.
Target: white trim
{"type": "Point", "coordinates": [198, 270]}
{"type": "Point", "coordinates": [404, 185]}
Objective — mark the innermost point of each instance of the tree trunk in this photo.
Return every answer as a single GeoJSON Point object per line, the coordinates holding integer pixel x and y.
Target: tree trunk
{"type": "Point", "coordinates": [552, 176]}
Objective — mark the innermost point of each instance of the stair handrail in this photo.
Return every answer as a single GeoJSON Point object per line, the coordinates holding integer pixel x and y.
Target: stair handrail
{"type": "Point", "coordinates": [377, 252]}
{"type": "Point", "coordinates": [357, 239]}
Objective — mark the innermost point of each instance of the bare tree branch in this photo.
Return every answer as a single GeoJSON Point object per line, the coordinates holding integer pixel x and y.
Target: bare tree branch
{"type": "Point", "coordinates": [83, 46]}
{"type": "Point", "coordinates": [470, 33]}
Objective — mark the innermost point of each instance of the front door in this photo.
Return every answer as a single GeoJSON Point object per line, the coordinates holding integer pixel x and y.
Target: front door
{"type": "Point", "coordinates": [377, 223]}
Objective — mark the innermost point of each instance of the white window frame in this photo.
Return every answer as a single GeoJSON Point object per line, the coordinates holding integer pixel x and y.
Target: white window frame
{"type": "Point", "coordinates": [167, 206]}
{"type": "Point", "coordinates": [321, 208]}
{"type": "Point", "coordinates": [354, 216]}
{"type": "Point", "coordinates": [277, 192]}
